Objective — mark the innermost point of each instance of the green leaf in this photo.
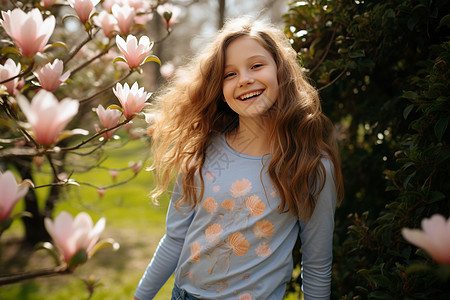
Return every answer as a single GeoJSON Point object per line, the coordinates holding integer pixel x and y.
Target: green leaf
{"type": "Point", "coordinates": [50, 249]}
{"type": "Point", "coordinates": [78, 258]}
{"type": "Point", "coordinates": [379, 295]}
{"type": "Point", "coordinates": [445, 21]}
{"type": "Point", "coordinates": [57, 44]}
{"type": "Point", "coordinates": [410, 95]}
{"type": "Point", "coordinates": [9, 50]}
{"type": "Point", "coordinates": [68, 133]}
{"type": "Point", "coordinates": [5, 224]}
{"type": "Point", "coordinates": [115, 106]}
{"type": "Point", "coordinates": [152, 58]}
{"type": "Point", "coordinates": [357, 53]}
{"type": "Point", "coordinates": [412, 22]}
{"type": "Point", "coordinates": [120, 58]}
{"type": "Point", "coordinates": [436, 196]}
{"type": "Point", "coordinates": [407, 111]}
{"type": "Point", "coordinates": [69, 16]}
{"type": "Point", "coordinates": [105, 243]}
{"type": "Point", "coordinates": [440, 127]}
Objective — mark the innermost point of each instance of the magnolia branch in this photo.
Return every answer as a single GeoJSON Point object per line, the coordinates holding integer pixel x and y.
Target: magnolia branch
{"type": "Point", "coordinates": [78, 48]}
{"type": "Point", "coordinates": [95, 136]}
{"type": "Point", "coordinates": [43, 151]}
{"type": "Point", "coordinates": [13, 278]}
{"type": "Point", "coordinates": [21, 74]}
{"type": "Point", "coordinates": [88, 62]}
{"type": "Point", "coordinates": [109, 186]}
{"type": "Point", "coordinates": [89, 98]}
{"type": "Point", "coordinates": [69, 181]}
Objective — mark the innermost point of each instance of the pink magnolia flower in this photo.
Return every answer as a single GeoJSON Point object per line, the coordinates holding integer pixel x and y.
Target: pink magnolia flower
{"type": "Point", "coordinates": [142, 8]}
{"type": "Point", "coordinates": [106, 22]}
{"type": "Point", "coordinates": [72, 235]}
{"type": "Point", "coordinates": [108, 4]}
{"type": "Point", "coordinates": [11, 193]}
{"type": "Point", "coordinates": [50, 76]}
{"type": "Point", "coordinates": [101, 192]}
{"type": "Point", "coordinates": [135, 166]}
{"type": "Point", "coordinates": [48, 3]}
{"type": "Point", "coordinates": [9, 70]}
{"type": "Point", "coordinates": [134, 53]}
{"type": "Point", "coordinates": [435, 237]}
{"type": "Point", "coordinates": [132, 100]}
{"type": "Point", "coordinates": [47, 116]}
{"type": "Point", "coordinates": [114, 174]}
{"type": "Point", "coordinates": [139, 5]}
{"type": "Point", "coordinates": [108, 118]}
{"type": "Point", "coordinates": [124, 15]}
{"type": "Point", "coordinates": [169, 13]}
{"type": "Point", "coordinates": [28, 30]}
{"type": "Point", "coordinates": [83, 8]}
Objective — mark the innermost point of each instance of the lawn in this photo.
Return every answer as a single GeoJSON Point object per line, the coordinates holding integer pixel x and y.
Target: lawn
{"type": "Point", "coordinates": [131, 219]}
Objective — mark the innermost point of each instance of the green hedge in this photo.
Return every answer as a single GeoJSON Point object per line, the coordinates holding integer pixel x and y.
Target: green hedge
{"type": "Point", "coordinates": [382, 68]}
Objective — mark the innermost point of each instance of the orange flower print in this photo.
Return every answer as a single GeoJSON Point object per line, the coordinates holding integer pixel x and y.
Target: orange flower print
{"type": "Point", "coordinates": [209, 175]}
{"type": "Point", "coordinates": [196, 247]}
{"type": "Point", "coordinates": [263, 250]}
{"type": "Point", "coordinates": [210, 205]}
{"type": "Point", "coordinates": [274, 193]}
{"type": "Point", "coordinates": [228, 204]}
{"type": "Point", "coordinates": [240, 188]}
{"type": "Point", "coordinates": [263, 229]}
{"type": "Point", "coordinates": [245, 296]}
{"type": "Point", "coordinates": [255, 205]}
{"type": "Point", "coordinates": [213, 232]}
{"type": "Point", "coordinates": [238, 243]}
{"type": "Point", "coordinates": [216, 188]}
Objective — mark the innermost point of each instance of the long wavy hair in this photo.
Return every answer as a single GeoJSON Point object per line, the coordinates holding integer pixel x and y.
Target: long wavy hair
{"type": "Point", "coordinates": [190, 111]}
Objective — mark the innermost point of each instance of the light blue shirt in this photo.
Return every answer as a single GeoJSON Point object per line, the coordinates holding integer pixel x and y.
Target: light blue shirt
{"type": "Point", "coordinates": [235, 244]}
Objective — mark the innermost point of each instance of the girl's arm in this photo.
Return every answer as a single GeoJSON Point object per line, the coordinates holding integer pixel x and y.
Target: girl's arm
{"type": "Point", "coordinates": [317, 241]}
{"type": "Point", "coordinates": [165, 259]}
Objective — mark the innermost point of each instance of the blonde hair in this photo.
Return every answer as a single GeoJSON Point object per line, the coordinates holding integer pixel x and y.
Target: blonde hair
{"type": "Point", "coordinates": [190, 112]}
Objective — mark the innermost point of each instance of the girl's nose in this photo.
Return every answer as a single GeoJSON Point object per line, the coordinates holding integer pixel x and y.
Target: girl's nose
{"type": "Point", "coordinates": [245, 79]}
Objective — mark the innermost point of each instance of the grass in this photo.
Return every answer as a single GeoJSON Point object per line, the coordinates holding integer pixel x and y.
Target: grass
{"type": "Point", "coordinates": [131, 219]}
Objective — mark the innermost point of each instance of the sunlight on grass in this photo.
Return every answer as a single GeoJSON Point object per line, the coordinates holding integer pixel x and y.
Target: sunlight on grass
{"type": "Point", "coordinates": [131, 219]}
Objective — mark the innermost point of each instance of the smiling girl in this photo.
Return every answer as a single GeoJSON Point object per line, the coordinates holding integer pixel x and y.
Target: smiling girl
{"type": "Point", "coordinates": [257, 167]}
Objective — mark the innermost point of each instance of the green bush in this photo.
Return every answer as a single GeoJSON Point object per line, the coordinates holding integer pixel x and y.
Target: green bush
{"type": "Point", "coordinates": [382, 68]}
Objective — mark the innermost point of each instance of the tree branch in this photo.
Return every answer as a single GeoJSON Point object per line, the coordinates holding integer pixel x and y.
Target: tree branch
{"type": "Point", "coordinates": [333, 81]}
{"type": "Point", "coordinates": [325, 54]}
{"type": "Point", "coordinates": [89, 98]}
{"type": "Point", "coordinates": [13, 278]}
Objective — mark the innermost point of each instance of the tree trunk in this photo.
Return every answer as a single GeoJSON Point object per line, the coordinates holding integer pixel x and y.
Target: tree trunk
{"type": "Point", "coordinates": [34, 226]}
{"type": "Point", "coordinates": [221, 14]}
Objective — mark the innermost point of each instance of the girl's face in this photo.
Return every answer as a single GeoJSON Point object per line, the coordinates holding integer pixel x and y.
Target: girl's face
{"type": "Point", "coordinates": [250, 85]}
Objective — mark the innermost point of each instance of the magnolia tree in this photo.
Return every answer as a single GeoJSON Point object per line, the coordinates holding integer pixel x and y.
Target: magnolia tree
{"type": "Point", "coordinates": [50, 79]}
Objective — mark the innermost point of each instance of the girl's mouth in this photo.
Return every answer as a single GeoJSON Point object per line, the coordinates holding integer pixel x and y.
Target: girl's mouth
{"type": "Point", "coordinates": [250, 95]}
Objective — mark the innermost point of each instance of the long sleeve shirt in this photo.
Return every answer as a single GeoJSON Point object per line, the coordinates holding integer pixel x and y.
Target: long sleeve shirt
{"type": "Point", "coordinates": [235, 244]}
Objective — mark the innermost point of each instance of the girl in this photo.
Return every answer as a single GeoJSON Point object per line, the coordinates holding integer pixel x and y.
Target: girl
{"type": "Point", "coordinates": [258, 167]}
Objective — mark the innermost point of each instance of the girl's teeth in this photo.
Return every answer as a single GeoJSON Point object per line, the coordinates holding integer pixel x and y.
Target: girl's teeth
{"type": "Point", "coordinates": [250, 95]}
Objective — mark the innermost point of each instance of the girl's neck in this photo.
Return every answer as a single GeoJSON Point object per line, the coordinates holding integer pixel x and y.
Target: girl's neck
{"type": "Point", "coordinates": [250, 138]}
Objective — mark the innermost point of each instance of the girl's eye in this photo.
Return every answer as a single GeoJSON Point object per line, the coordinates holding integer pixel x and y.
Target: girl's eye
{"type": "Point", "coordinates": [256, 66]}
{"type": "Point", "coordinates": [228, 75]}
